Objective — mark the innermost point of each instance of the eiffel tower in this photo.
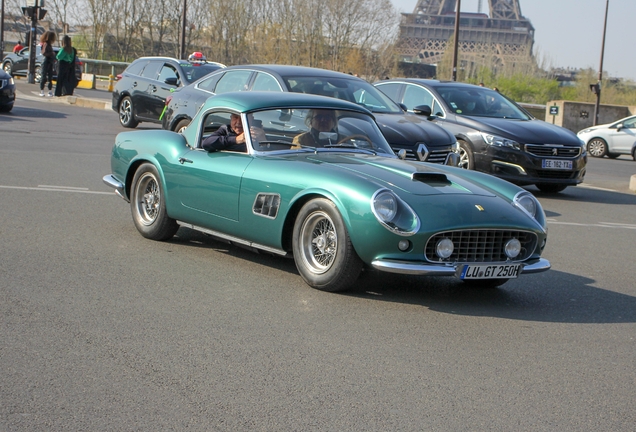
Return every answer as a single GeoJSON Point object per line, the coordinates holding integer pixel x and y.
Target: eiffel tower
{"type": "Point", "coordinates": [503, 38]}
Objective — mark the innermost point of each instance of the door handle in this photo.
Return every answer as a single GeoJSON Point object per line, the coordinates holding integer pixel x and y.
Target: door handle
{"type": "Point", "coordinates": [183, 160]}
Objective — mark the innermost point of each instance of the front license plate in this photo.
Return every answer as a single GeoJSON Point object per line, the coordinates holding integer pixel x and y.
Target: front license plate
{"type": "Point", "coordinates": [493, 271]}
{"type": "Point", "coordinates": [556, 164]}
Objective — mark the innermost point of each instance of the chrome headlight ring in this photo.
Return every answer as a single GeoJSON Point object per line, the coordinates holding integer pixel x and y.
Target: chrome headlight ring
{"type": "Point", "coordinates": [394, 214]}
{"type": "Point", "coordinates": [527, 203]}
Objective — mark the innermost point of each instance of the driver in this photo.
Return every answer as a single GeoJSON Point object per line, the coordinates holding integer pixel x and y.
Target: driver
{"type": "Point", "coordinates": [319, 120]}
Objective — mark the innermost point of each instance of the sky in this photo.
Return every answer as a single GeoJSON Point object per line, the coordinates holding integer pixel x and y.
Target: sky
{"type": "Point", "coordinates": [569, 33]}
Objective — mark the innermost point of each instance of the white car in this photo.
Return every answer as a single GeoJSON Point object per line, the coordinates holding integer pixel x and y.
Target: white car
{"type": "Point", "coordinates": [612, 139]}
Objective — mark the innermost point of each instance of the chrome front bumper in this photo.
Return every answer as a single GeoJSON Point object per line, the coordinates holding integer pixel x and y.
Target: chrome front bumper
{"type": "Point", "coordinates": [411, 268]}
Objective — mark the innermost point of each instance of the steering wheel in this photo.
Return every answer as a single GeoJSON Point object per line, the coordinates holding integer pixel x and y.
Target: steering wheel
{"type": "Point", "coordinates": [352, 137]}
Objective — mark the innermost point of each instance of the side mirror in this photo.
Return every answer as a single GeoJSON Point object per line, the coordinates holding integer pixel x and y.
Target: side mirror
{"type": "Point", "coordinates": [423, 110]}
{"type": "Point", "coordinates": [619, 127]}
{"type": "Point", "coordinates": [172, 81]}
{"type": "Point", "coordinates": [404, 107]}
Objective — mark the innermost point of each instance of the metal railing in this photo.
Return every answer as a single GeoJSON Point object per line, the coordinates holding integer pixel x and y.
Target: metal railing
{"type": "Point", "coordinates": [103, 71]}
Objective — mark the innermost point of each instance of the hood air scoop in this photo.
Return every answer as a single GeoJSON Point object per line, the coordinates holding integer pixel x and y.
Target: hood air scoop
{"type": "Point", "coordinates": [433, 179]}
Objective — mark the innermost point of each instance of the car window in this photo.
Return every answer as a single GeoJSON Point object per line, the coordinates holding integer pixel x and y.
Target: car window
{"type": "Point", "coordinates": [631, 123]}
{"type": "Point", "coordinates": [480, 102]}
{"type": "Point", "coordinates": [266, 82]}
{"type": "Point", "coordinates": [416, 95]}
{"type": "Point", "coordinates": [136, 67]}
{"type": "Point", "coordinates": [209, 83]}
{"type": "Point", "coordinates": [151, 70]}
{"type": "Point", "coordinates": [233, 81]}
{"type": "Point", "coordinates": [212, 122]}
{"type": "Point", "coordinates": [168, 71]}
{"type": "Point", "coordinates": [199, 71]}
{"type": "Point", "coordinates": [391, 90]}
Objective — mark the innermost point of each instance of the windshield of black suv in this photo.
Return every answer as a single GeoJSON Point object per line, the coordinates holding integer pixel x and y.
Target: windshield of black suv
{"type": "Point", "coordinates": [480, 102]}
{"type": "Point", "coordinates": [195, 71]}
{"type": "Point", "coordinates": [352, 90]}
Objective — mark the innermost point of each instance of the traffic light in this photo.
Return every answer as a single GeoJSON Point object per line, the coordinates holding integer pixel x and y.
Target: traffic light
{"type": "Point", "coordinates": [595, 88]}
{"type": "Point", "coordinates": [41, 13]}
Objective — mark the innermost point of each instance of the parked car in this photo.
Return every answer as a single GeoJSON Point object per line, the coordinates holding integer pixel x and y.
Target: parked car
{"type": "Point", "coordinates": [7, 92]}
{"type": "Point", "coordinates": [17, 64]}
{"type": "Point", "coordinates": [612, 139]}
{"type": "Point", "coordinates": [335, 207]}
{"type": "Point", "coordinates": [420, 139]}
{"type": "Point", "coordinates": [141, 90]}
{"type": "Point", "coordinates": [495, 134]}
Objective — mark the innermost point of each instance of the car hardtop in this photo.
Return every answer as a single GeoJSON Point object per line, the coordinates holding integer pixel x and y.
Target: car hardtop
{"type": "Point", "coordinates": [256, 101]}
{"type": "Point", "coordinates": [288, 70]}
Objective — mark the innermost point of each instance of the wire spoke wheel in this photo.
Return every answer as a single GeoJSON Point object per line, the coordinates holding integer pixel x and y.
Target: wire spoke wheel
{"type": "Point", "coordinates": [149, 199]}
{"type": "Point", "coordinates": [319, 242]}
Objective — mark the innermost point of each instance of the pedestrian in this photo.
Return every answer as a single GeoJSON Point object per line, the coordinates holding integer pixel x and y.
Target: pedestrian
{"type": "Point", "coordinates": [66, 78]}
{"type": "Point", "coordinates": [18, 47]}
{"type": "Point", "coordinates": [46, 42]}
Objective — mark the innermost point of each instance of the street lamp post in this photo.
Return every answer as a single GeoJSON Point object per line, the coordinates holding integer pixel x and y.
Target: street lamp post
{"type": "Point", "coordinates": [182, 50]}
{"type": "Point", "coordinates": [597, 88]}
{"type": "Point", "coordinates": [2, 31]}
{"type": "Point", "coordinates": [456, 44]}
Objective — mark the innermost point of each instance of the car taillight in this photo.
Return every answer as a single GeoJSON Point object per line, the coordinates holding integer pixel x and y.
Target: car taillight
{"type": "Point", "coordinates": [168, 99]}
{"type": "Point", "coordinates": [119, 77]}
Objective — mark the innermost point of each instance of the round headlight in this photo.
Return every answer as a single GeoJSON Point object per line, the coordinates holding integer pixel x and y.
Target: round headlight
{"type": "Point", "coordinates": [528, 203]}
{"type": "Point", "coordinates": [385, 206]}
{"type": "Point", "coordinates": [444, 248]}
{"type": "Point", "coordinates": [512, 248]}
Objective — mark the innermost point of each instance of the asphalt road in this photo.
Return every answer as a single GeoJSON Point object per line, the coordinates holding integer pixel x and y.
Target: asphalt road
{"type": "Point", "coordinates": [102, 329]}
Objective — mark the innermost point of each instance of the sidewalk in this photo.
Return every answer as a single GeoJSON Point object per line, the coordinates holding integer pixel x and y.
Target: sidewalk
{"type": "Point", "coordinates": [28, 91]}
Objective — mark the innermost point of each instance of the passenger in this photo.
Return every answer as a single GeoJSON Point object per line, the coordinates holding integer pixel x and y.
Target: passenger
{"type": "Point", "coordinates": [231, 137]}
{"type": "Point", "coordinates": [318, 120]}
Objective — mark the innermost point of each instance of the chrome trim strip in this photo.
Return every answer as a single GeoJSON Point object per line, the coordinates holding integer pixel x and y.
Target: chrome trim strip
{"type": "Point", "coordinates": [111, 181]}
{"type": "Point", "coordinates": [233, 239]}
{"type": "Point", "coordinates": [411, 268]}
{"type": "Point", "coordinates": [511, 165]}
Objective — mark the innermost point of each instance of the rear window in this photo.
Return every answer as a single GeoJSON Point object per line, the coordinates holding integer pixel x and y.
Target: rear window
{"type": "Point", "coordinates": [136, 67]}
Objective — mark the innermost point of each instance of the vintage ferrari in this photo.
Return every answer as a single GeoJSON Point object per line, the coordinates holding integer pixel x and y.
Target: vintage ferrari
{"type": "Point", "coordinates": [316, 180]}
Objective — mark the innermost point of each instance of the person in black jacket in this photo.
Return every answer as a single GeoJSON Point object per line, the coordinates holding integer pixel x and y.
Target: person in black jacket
{"type": "Point", "coordinates": [66, 78]}
{"type": "Point", "coordinates": [231, 137]}
{"type": "Point", "coordinates": [46, 42]}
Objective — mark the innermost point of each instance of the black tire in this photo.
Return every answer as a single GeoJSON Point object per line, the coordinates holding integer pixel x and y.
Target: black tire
{"type": "Point", "coordinates": [127, 113]}
{"type": "Point", "coordinates": [37, 75]}
{"type": "Point", "coordinates": [634, 153]}
{"type": "Point", "coordinates": [6, 108]}
{"type": "Point", "coordinates": [148, 205]}
{"type": "Point", "coordinates": [183, 123]}
{"type": "Point", "coordinates": [466, 158]}
{"type": "Point", "coordinates": [485, 283]}
{"type": "Point", "coordinates": [551, 188]}
{"type": "Point", "coordinates": [597, 147]}
{"type": "Point", "coordinates": [8, 67]}
{"type": "Point", "coordinates": [322, 248]}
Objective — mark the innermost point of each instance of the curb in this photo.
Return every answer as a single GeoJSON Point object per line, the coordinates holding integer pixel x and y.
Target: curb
{"type": "Point", "coordinates": [632, 183]}
{"type": "Point", "coordinates": [70, 100]}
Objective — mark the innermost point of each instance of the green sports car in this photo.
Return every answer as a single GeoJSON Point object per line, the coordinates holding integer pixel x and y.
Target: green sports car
{"type": "Point", "coordinates": [313, 178]}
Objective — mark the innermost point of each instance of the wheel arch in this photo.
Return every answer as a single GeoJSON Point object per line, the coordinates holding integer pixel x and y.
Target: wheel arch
{"type": "Point", "coordinates": [132, 169]}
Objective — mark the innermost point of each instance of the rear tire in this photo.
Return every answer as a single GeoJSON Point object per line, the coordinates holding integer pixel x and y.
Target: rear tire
{"type": "Point", "coordinates": [466, 158]}
{"type": "Point", "coordinates": [8, 67]}
{"type": "Point", "coordinates": [597, 147]}
{"type": "Point", "coordinates": [37, 74]}
{"type": "Point", "coordinates": [550, 188]}
{"type": "Point", "coordinates": [148, 205]}
{"type": "Point", "coordinates": [127, 113]}
{"type": "Point", "coordinates": [322, 248]}
{"type": "Point", "coordinates": [179, 128]}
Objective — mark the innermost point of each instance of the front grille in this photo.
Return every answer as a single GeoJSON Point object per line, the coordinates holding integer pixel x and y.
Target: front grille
{"type": "Point", "coordinates": [435, 156]}
{"type": "Point", "coordinates": [553, 151]}
{"type": "Point", "coordinates": [553, 174]}
{"type": "Point", "coordinates": [481, 246]}
{"type": "Point", "coordinates": [3, 83]}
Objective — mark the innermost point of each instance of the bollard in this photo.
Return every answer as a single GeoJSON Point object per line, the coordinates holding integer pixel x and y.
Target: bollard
{"type": "Point", "coordinates": [111, 81]}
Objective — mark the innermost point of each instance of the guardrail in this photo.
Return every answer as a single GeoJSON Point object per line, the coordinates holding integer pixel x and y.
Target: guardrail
{"type": "Point", "coordinates": [100, 73]}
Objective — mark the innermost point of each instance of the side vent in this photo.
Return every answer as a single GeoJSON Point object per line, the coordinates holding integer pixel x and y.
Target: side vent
{"type": "Point", "coordinates": [266, 205]}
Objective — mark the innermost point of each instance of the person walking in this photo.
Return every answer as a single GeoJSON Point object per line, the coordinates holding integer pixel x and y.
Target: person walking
{"type": "Point", "coordinates": [66, 78]}
{"type": "Point", "coordinates": [18, 47]}
{"type": "Point", "coordinates": [46, 42]}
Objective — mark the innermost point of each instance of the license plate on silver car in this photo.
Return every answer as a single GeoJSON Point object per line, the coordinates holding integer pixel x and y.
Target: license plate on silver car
{"type": "Point", "coordinates": [491, 271]}
{"type": "Point", "coordinates": [556, 164]}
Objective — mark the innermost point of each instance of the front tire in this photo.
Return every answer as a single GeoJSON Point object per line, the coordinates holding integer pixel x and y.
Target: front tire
{"type": "Point", "coordinates": [148, 205]}
{"type": "Point", "coordinates": [551, 188]}
{"type": "Point", "coordinates": [597, 147]}
{"type": "Point", "coordinates": [322, 248]}
{"type": "Point", "coordinates": [37, 74]}
{"type": "Point", "coordinates": [466, 158]}
{"type": "Point", "coordinates": [127, 113]}
{"type": "Point", "coordinates": [180, 127]}
{"type": "Point", "coordinates": [8, 67]}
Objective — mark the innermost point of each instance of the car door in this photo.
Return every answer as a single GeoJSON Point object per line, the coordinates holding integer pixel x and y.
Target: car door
{"type": "Point", "coordinates": [210, 182]}
{"type": "Point", "coordinates": [168, 80]}
{"type": "Point", "coordinates": [21, 65]}
{"type": "Point", "coordinates": [144, 87]}
{"type": "Point", "coordinates": [622, 141]}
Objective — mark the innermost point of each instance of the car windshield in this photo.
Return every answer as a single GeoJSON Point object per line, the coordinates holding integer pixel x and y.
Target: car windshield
{"type": "Point", "coordinates": [302, 129]}
{"type": "Point", "coordinates": [352, 90]}
{"type": "Point", "coordinates": [480, 102]}
{"type": "Point", "coordinates": [196, 71]}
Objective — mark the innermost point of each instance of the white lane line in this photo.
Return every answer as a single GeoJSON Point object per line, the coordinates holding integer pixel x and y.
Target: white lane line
{"type": "Point", "coordinates": [61, 187]}
{"type": "Point", "coordinates": [598, 224]}
{"type": "Point", "coordinates": [54, 189]}
{"type": "Point", "coordinates": [596, 188]}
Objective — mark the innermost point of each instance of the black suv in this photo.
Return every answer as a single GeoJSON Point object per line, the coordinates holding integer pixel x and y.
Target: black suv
{"type": "Point", "coordinates": [495, 134]}
{"type": "Point", "coordinates": [141, 90]}
{"type": "Point", "coordinates": [409, 135]}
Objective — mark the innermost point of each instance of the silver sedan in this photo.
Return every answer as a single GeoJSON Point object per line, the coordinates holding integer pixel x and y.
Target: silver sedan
{"type": "Point", "coordinates": [612, 139]}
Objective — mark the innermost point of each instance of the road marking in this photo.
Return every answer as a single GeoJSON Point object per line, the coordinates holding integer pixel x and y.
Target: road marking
{"type": "Point", "coordinates": [596, 188]}
{"type": "Point", "coordinates": [58, 189]}
{"type": "Point", "coordinates": [598, 224]}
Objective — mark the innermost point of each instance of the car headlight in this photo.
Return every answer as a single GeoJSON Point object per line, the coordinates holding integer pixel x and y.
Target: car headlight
{"type": "Point", "coordinates": [584, 131]}
{"type": "Point", "coordinates": [498, 141]}
{"type": "Point", "coordinates": [11, 82]}
{"type": "Point", "coordinates": [394, 214]}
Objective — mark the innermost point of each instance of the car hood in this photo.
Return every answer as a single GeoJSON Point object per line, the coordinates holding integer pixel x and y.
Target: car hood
{"type": "Point", "coordinates": [407, 129]}
{"type": "Point", "coordinates": [410, 177]}
{"type": "Point", "coordinates": [522, 131]}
